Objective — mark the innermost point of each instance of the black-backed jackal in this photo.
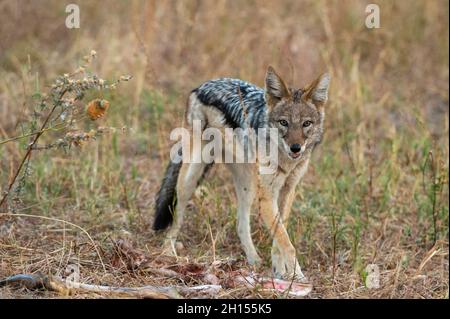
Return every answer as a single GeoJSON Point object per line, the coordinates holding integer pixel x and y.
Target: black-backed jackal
{"type": "Point", "coordinates": [296, 114]}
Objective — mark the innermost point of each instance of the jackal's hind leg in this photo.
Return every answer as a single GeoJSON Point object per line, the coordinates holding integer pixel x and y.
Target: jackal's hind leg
{"type": "Point", "coordinates": [188, 179]}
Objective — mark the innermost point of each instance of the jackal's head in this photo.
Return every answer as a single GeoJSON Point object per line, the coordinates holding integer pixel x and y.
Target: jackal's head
{"type": "Point", "coordinates": [298, 114]}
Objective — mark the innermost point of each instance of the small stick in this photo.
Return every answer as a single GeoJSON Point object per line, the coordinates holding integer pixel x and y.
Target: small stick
{"type": "Point", "coordinates": [52, 283]}
{"type": "Point", "coordinates": [30, 147]}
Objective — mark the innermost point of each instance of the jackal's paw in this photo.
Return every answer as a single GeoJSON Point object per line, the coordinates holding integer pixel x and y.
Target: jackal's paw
{"type": "Point", "coordinates": [286, 266]}
{"type": "Point", "coordinates": [169, 248]}
{"type": "Point", "coordinates": [254, 260]}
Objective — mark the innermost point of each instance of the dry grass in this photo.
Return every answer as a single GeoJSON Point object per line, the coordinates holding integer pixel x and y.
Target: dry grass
{"type": "Point", "coordinates": [372, 194]}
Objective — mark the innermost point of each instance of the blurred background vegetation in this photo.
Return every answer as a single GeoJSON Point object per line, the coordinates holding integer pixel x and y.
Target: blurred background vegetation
{"type": "Point", "coordinates": [374, 192]}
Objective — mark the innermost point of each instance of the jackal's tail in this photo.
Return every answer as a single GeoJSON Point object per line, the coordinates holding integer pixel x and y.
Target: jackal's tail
{"type": "Point", "coordinates": [167, 198]}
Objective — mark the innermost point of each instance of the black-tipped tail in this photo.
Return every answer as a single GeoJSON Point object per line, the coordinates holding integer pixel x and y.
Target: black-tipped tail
{"type": "Point", "coordinates": [166, 199]}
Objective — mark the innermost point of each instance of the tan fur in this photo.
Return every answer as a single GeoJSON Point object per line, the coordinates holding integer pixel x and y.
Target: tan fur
{"type": "Point", "coordinates": [287, 193]}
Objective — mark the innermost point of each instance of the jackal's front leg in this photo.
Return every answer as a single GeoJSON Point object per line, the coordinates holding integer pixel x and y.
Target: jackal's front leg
{"type": "Point", "coordinates": [285, 200]}
{"type": "Point", "coordinates": [284, 260]}
{"type": "Point", "coordinates": [287, 192]}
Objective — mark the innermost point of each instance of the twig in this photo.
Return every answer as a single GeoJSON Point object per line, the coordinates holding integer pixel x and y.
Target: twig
{"type": "Point", "coordinates": [30, 134]}
{"type": "Point", "coordinates": [30, 147]}
{"type": "Point", "coordinates": [433, 251]}
{"type": "Point", "coordinates": [349, 154]}
{"type": "Point", "coordinates": [432, 196]}
{"type": "Point", "coordinates": [56, 127]}
{"type": "Point", "coordinates": [66, 287]}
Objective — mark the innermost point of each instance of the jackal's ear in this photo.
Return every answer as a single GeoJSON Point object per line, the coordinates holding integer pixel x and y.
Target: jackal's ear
{"type": "Point", "coordinates": [317, 91]}
{"type": "Point", "coordinates": [276, 89]}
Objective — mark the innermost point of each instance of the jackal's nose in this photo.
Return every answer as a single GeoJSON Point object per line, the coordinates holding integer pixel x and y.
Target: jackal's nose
{"type": "Point", "coordinates": [295, 148]}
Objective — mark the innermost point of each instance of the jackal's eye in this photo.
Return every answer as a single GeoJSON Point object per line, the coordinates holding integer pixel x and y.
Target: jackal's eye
{"type": "Point", "coordinates": [307, 123]}
{"type": "Point", "coordinates": [283, 122]}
